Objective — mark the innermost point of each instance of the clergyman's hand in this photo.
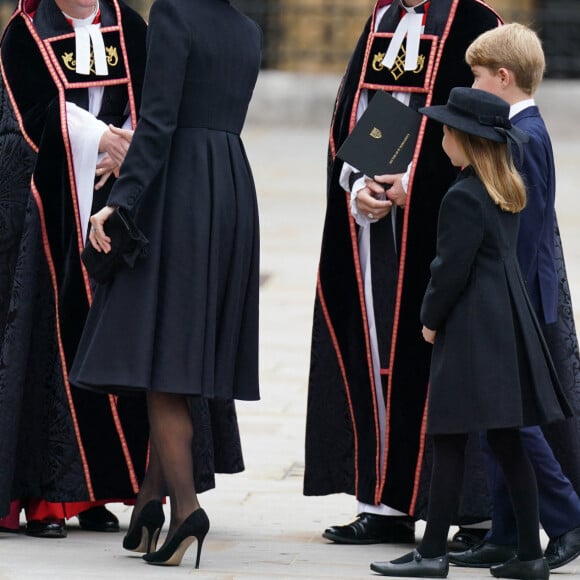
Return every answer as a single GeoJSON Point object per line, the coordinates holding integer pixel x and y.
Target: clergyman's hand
{"type": "Point", "coordinates": [396, 192]}
{"type": "Point", "coordinates": [115, 142]}
{"type": "Point", "coordinates": [105, 168]}
{"type": "Point", "coordinates": [371, 201]}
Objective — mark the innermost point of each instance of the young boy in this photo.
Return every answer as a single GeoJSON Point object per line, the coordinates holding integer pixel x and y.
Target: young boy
{"type": "Point", "coordinates": [509, 62]}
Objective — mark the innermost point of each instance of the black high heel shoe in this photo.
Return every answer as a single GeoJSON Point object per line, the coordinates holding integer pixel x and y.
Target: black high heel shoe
{"type": "Point", "coordinates": [142, 537]}
{"type": "Point", "coordinates": [196, 525]}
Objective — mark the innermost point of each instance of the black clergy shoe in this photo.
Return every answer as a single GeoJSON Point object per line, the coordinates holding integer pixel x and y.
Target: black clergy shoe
{"type": "Point", "coordinates": [415, 567]}
{"type": "Point", "coordinates": [98, 519]}
{"type": "Point", "coordinates": [466, 538]}
{"type": "Point", "coordinates": [483, 555]}
{"type": "Point", "coordinates": [46, 528]}
{"type": "Point", "coordinates": [373, 529]}
{"type": "Point", "coordinates": [522, 570]}
{"type": "Point", "coordinates": [563, 549]}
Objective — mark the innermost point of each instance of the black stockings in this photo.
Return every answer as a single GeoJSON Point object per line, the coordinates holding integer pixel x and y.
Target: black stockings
{"type": "Point", "coordinates": [521, 483]}
{"type": "Point", "coordinates": [446, 481]}
{"type": "Point", "coordinates": [170, 469]}
{"type": "Point", "coordinates": [153, 486]}
{"type": "Point", "coordinates": [447, 478]}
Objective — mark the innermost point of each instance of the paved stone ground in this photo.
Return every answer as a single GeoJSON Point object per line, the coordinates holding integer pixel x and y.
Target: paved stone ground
{"type": "Point", "coordinates": [262, 526]}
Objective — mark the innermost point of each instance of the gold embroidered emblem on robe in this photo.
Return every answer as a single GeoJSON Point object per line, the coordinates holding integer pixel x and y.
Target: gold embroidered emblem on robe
{"type": "Point", "coordinates": [112, 56]}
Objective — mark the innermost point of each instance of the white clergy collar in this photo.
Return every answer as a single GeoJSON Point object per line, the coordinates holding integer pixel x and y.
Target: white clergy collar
{"type": "Point", "coordinates": [83, 21]}
{"type": "Point", "coordinates": [417, 8]}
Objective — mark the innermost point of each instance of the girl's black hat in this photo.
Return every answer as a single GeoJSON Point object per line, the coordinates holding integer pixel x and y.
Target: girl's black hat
{"type": "Point", "coordinates": [478, 113]}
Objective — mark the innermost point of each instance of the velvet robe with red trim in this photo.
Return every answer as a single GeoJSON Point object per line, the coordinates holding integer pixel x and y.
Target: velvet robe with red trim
{"type": "Point", "coordinates": [60, 443]}
{"type": "Point", "coordinates": [342, 432]}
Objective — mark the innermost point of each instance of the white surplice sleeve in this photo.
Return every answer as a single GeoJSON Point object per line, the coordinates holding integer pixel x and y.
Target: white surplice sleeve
{"type": "Point", "coordinates": [85, 132]}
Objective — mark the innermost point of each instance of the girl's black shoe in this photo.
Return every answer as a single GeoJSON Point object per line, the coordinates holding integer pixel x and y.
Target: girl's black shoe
{"type": "Point", "coordinates": [196, 525]}
{"type": "Point", "coordinates": [142, 537]}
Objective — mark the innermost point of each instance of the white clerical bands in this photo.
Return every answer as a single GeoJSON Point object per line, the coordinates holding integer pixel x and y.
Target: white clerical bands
{"type": "Point", "coordinates": [87, 34]}
{"type": "Point", "coordinates": [410, 26]}
{"type": "Point", "coordinates": [84, 36]}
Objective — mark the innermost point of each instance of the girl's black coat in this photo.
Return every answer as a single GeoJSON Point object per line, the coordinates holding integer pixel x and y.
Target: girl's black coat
{"type": "Point", "coordinates": [490, 365]}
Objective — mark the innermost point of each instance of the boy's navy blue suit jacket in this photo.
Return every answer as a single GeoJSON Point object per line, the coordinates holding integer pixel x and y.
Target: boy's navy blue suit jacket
{"type": "Point", "coordinates": [536, 240]}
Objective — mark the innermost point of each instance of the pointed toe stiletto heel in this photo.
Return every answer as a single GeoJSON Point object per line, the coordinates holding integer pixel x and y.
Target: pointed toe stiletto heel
{"type": "Point", "coordinates": [143, 536]}
{"type": "Point", "coordinates": [195, 526]}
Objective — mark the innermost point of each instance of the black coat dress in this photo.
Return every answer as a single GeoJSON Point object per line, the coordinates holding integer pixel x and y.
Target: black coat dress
{"type": "Point", "coordinates": [490, 365]}
{"type": "Point", "coordinates": [185, 319]}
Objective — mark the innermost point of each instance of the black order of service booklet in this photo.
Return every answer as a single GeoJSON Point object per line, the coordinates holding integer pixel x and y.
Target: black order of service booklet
{"type": "Point", "coordinates": [383, 140]}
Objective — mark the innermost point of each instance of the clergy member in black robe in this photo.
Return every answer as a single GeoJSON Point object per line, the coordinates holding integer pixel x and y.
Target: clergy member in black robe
{"type": "Point", "coordinates": [365, 432]}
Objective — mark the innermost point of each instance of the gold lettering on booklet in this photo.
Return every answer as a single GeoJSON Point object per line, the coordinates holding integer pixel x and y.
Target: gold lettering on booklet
{"type": "Point", "coordinates": [70, 62]}
{"type": "Point", "coordinates": [399, 148]}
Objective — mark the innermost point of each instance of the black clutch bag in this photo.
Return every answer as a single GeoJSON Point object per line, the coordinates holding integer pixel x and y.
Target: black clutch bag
{"type": "Point", "coordinates": [127, 244]}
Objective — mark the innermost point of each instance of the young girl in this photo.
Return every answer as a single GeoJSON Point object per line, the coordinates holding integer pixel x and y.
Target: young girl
{"type": "Point", "coordinates": [490, 367]}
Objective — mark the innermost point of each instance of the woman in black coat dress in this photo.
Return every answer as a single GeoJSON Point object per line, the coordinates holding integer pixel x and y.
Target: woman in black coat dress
{"type": "Point", "coordinates": [490, 367]}
{"type": "Point", "coordinates": [183, 323]}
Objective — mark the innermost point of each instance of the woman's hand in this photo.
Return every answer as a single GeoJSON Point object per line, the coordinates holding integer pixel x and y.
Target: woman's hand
{"type": "Point", "coordinates": [429, 335]}
{"type": "Point", "coordinates": [100, 241]}
{"type": "Point", "coordinates": [371, 201]}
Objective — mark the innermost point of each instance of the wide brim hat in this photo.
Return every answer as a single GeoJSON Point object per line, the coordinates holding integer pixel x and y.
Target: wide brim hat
{"type": "Point", "coordinates": [478, 113]}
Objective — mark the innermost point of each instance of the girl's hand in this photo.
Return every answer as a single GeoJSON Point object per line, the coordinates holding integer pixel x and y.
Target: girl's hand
{"type": "Point", "coordinates": [100, 241]}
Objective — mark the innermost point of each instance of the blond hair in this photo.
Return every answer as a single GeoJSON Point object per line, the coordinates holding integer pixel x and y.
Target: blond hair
{"type": "Point", "coordinates": [514, 47]}
{"type": "Point", "coordinates": [495, 169]}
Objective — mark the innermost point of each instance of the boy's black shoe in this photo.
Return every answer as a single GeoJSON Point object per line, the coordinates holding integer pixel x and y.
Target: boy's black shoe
{"type": "Point", "coordinates": [484, 555]}
{"type": "Point", "coordinates": [522, 569]}
{"type": "Point", "coordinates": [563, 549]}
{"type": "Point", "coordinates": [466, 538]}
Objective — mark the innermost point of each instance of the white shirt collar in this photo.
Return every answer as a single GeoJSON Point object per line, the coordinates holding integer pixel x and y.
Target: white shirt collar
{"type": "Point", "coordinates": [520, 106]}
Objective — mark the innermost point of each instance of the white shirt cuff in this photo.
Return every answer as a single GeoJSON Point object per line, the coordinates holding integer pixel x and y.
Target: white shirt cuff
{"type": "Point", "coordinates": [362, 220]}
